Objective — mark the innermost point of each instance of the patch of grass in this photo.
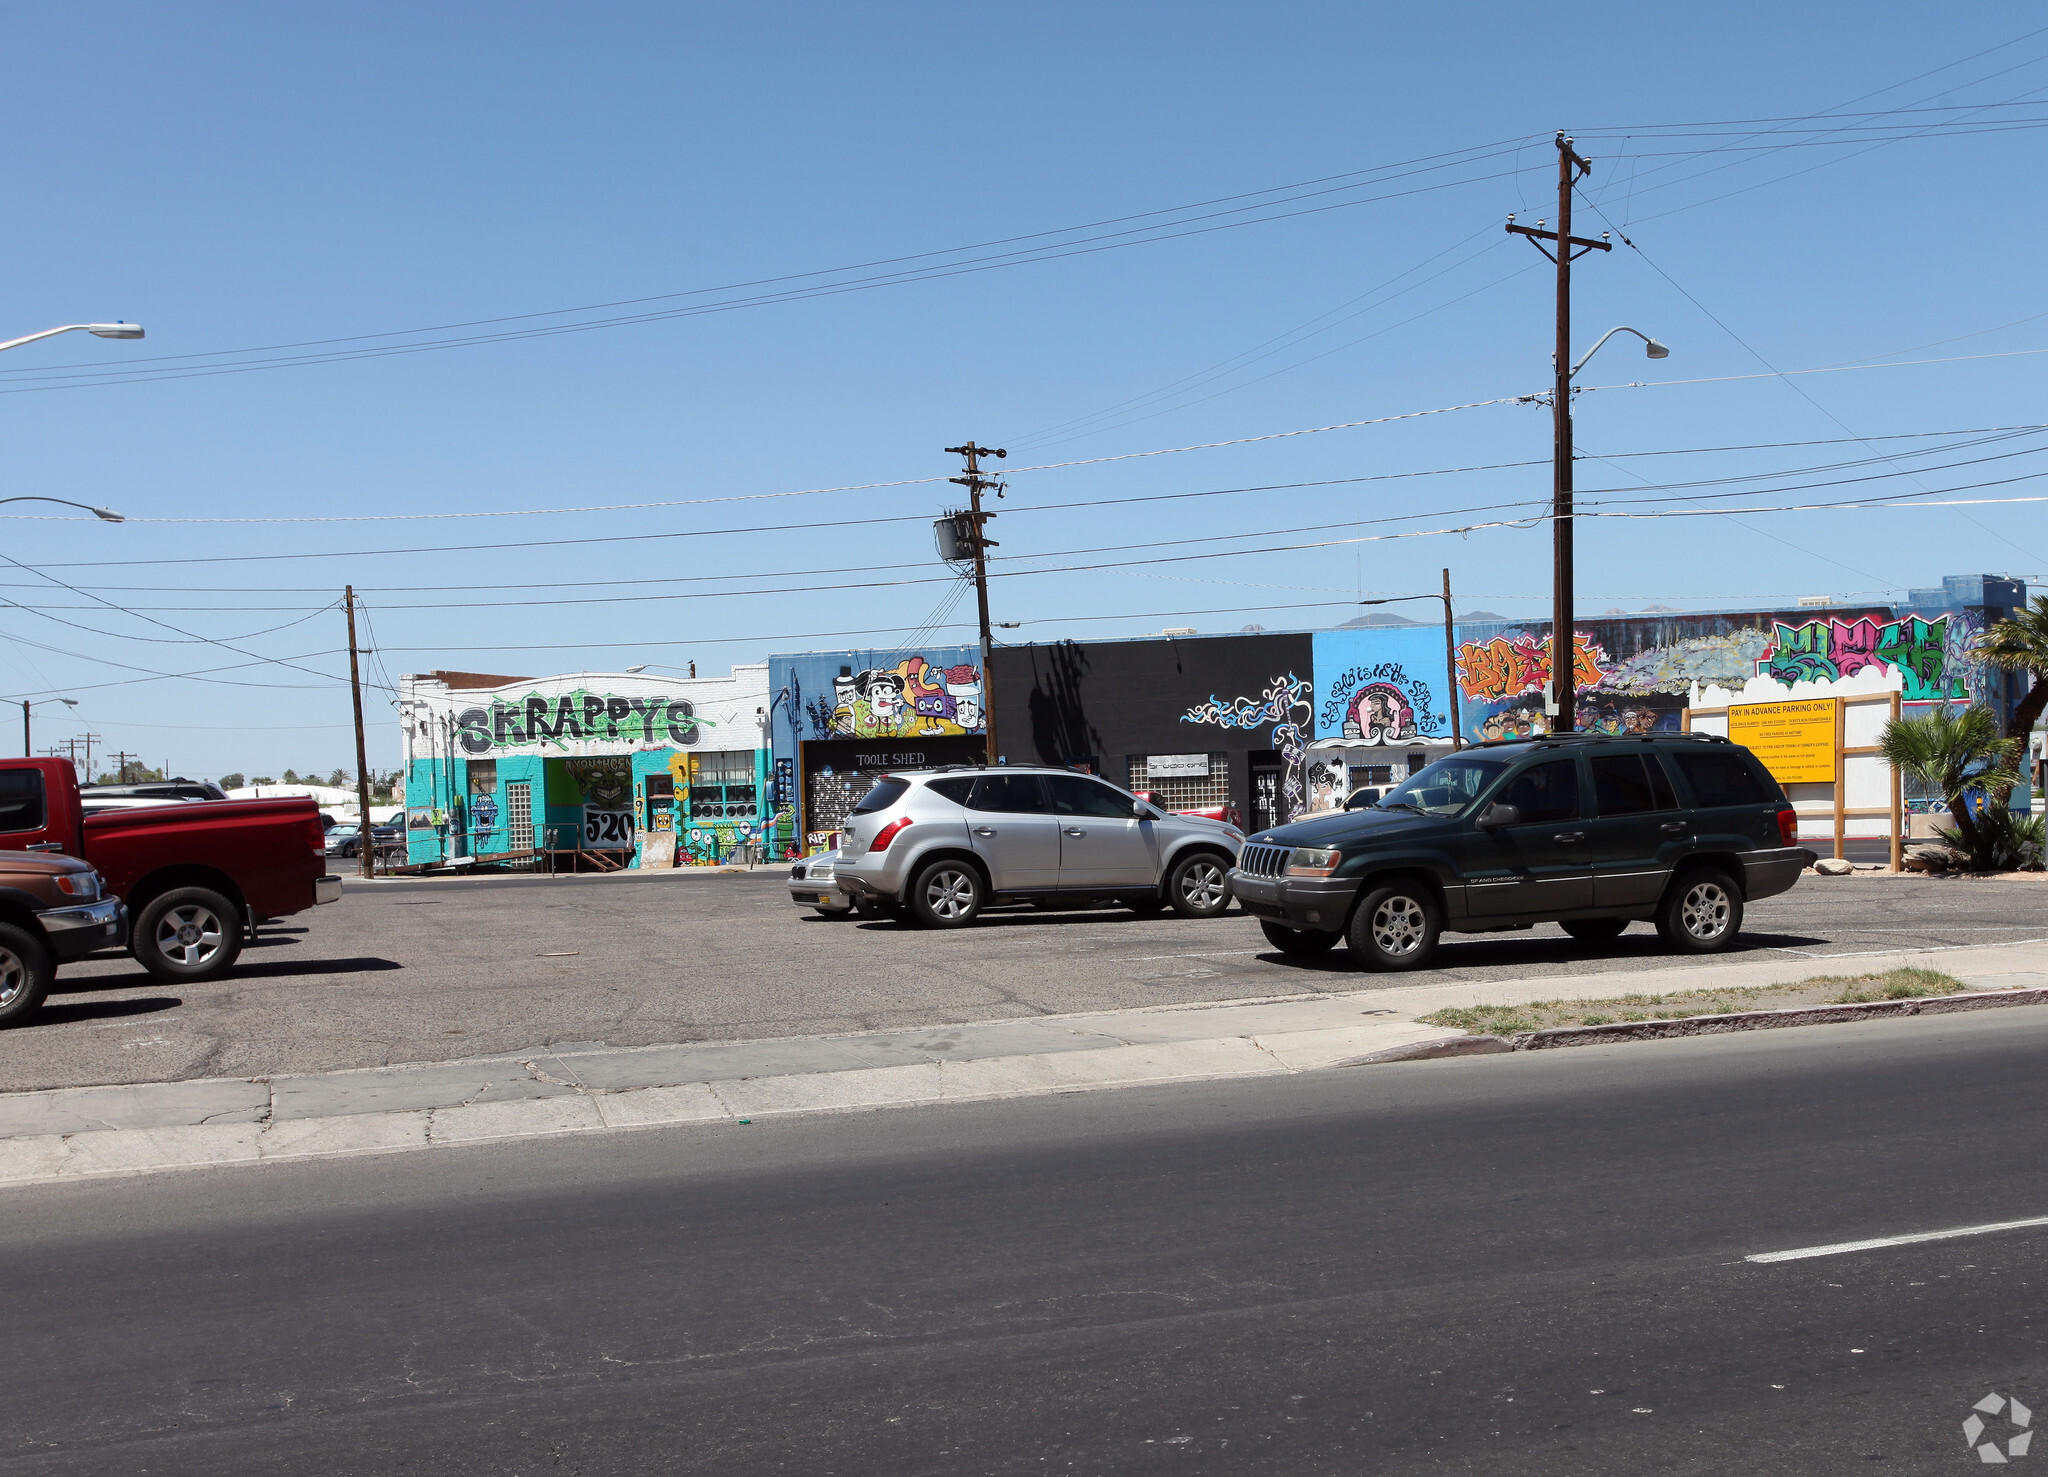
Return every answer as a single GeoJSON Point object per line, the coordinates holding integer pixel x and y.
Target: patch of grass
{"type": "Point", "coordinates": [1679, 1005]}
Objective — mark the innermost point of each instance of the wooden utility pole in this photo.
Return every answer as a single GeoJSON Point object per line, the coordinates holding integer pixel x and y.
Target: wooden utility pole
{"type": "Point", "coordinates": [121, 758]}
{"type": "Point", "coordinates": [1451, 667]}
{"type": "Point", "coordinates": [975, 483]}
{"type": "Point", "coordinates": [366, 845]}
{"type": "Point", "coordinates": [1563, 690]}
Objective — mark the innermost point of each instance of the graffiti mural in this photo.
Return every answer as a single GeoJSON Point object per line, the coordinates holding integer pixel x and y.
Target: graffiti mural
{"type": "Point", "coordinates": [1513, 665]}
{"type": "Point", "coordinates": [1917, 649]}
{"type": "Point", "coordinates": [929, 695]}
{"type": "Point", "coordinates": [536, 719]}
{"type": "Point", "coordinates": [1283, 698]}
{"type": "Point", "coordinates": [1369, 685]}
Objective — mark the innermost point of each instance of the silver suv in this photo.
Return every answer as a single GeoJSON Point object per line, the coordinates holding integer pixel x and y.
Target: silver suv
{"type": "Point", "coordinates": [945, 843]}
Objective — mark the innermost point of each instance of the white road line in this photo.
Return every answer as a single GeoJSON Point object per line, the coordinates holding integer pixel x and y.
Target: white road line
{"type": "Point", "coordinates": [1883, 1241]}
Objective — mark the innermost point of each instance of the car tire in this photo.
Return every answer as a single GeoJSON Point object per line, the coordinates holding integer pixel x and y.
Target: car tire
{"type": "Point", "coordinates": [1702, 913]}
{"type": "Point", "coordinates": [877, 907]}
{"type": "Point", "coordinates": [832, 912]}
{"type": "Point", "coordinates": [947, 894]}
{"type": "Point", "coordinates": [1198, 885]}
{"type": "Point", "coordinates": [1302, 943]}
{"type": "Point", "coordinates": [26, 973]}
{"type": "Point", "coordinates": [1595, 930]}
{"type": "Point", "coordinates": [188, 934]}
{"type": "Point", "coordinates": [1147, 907]}
{"type": "Point", "coordinates": [1394, 927]}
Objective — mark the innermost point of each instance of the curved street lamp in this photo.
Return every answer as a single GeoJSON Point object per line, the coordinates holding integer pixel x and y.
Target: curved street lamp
{"type": "Point", "coordinates": [1651, 347]}
{"type": "Point", "coordinates": [105, 515]}
{"type": "Point", "coordinates": [26, 751]}
{"type": "Point", "coordinates": [99, 330]}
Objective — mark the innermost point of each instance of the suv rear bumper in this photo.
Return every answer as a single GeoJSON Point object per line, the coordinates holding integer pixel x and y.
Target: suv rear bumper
{"type": "Point", "coordinates": [1320, 904]}
{"type": "Point", "coordinates": [1768, 873]}
{"type": "Point", "coordinates": [74, 932]}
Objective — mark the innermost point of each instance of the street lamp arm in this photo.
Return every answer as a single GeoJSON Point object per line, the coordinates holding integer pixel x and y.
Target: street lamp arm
{"type": "Point", "coordinates": [105, 515]}
{"type": "Point", "coordinates": [1650, 346]}
{"type": "Point", "coordinates": [104, 330]}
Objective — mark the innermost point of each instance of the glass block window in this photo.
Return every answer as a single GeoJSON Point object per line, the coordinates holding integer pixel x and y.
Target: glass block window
{"type": "Point", "coordinates": [1184, 792]}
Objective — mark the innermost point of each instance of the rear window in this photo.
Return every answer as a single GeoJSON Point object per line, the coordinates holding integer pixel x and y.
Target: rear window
{"type": "Point", "coordinates": [887, 791]}
{"type": "Point", "coordinates": [21, 800]}
{"type": "Point", "coordinates": [956, 788]}
{"type": "Point", "coordinates": [1724, 779]}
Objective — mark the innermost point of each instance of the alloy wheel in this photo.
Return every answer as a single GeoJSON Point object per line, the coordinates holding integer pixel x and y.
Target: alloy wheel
{"type": "Point", "coordinates": [950, 893]}
{"type": "Point", "coordinates": [1399, 926]}
{"type": "Point", "coordinates": [1202, 885]}
{"type": "Point", "coordinates": [13, 977]}
{"type": "Point", "coordinates": [1705, 911]}
{"type": "Point", "coordinates": [190, 935]}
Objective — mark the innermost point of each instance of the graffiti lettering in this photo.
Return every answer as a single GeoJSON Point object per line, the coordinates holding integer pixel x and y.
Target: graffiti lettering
{"type": "Point", "coordinates": [1380, 702]}
{"type": "Point", "coordinates": [1820, 650]}
{"type": "Point", "coordinates": [580, 715]}
{"type": "Point", "coordinates": [1509, 666]}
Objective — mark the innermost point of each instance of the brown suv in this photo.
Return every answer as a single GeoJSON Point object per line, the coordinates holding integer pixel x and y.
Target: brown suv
{"type": "Point", "coordinates": [52, 908]}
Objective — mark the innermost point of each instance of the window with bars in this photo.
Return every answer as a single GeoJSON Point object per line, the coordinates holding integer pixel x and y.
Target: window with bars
{"type": "Point", "coordinates": [1185, 792]}
{"type": "Point", "coordinates": [722, 786]}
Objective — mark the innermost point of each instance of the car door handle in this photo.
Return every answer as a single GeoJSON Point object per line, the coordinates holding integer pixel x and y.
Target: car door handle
{"type": "Point", "coordinates": [984, 830]}
{"type": "Point", "coordinates": [44, 846]}
{"type": "Point", "coordinates": [1072, 832]}
{"type": "Point", "coordinates": [1672, 828]}
{"type": "Point", "coordinates": [1569, 836]}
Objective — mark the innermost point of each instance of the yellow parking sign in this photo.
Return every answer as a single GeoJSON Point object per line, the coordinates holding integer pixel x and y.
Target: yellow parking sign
{"type": "Point", "coordinates": [1796, 740]}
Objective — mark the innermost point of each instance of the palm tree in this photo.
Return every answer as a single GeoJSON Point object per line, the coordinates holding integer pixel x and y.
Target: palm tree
{"type": "Point", "coordinates": [1951, 753]}
{"type": "Point", "coordinates": [2020, 644]}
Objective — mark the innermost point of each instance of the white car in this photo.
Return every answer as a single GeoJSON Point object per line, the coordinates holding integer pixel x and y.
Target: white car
{"type": "Point", "coordinates": [813, 883]}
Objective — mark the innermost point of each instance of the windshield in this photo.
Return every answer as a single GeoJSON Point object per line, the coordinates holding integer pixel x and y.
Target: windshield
{"type": "Point", "coordinates": [1446, 787]}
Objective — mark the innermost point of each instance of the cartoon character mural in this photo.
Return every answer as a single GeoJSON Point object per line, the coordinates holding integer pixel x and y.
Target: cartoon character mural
{"type": "Point", "coordinates": [1277, 705]}
{"type": "Point", "coordinates": [1370, 687]}
{"type": "Point", "coordinates": [914, 697]}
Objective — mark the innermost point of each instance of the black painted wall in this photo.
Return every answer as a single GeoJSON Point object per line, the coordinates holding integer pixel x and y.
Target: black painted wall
{"type": "Point", "coordinates": [1068, 700]}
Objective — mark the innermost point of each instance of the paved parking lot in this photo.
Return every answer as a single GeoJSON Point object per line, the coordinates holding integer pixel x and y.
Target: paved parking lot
{"type": "Point", "coordinates": [429, 970]}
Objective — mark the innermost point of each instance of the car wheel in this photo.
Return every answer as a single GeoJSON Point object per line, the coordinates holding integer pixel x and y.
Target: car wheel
{"type": "Point", "coordinates": [947, 894]}
{"type": "Point", "coordinates": [1595, 930]}
{"type": "Point", "coordinates": [1702, 912]}
{"type": "Point", "coordinates": [1147, 907]}
{"type": "Point", "coordinates": [876, 907]}
{"type": "Point", "coordinates": [188, 933]}
{"type": "Point", "coordinates": [1302, 943]}
{"type": "Point", "coordinates": [1394, 927]}
{"type": "Point", "coordinates": [832, 912]}
{"type": "Point", "coordinates": [26, 971]}
{"type": "Point", "coordinates": [1198, 886]}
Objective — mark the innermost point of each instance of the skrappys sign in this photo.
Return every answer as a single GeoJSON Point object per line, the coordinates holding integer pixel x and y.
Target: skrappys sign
{"type": "Point", "coordinates": [578, 716]}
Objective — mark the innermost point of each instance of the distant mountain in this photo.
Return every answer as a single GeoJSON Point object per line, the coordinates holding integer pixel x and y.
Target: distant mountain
{"type": "Point", "coordinates": [1380, 618]}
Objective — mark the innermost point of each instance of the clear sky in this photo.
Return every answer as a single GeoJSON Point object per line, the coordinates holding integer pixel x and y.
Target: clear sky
{"type": "Point", "coordinates": [239, 177]}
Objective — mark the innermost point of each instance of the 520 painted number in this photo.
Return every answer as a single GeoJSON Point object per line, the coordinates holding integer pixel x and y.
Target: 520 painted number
{"type": "Point", "coordinates": [607, 827]}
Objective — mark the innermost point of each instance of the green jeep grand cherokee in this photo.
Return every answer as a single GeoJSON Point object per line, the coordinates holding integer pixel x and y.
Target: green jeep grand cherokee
{"type": "Point", "coordinates": [1583, 830]}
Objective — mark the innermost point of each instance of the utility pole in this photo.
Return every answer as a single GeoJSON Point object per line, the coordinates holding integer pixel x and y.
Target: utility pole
{"type": "Point", "coordinates": [121, 758]}
{"type": "Point", "coordinates": [1451, 667]}
{"type": "Point", "coordinates": [365, 842]}
{"type": "Point", "coordinates": [975, 484]}
{"type": "Point", "coordinates": [88, 738]}
{"type": "Point", "coordinates": [1571, 169]}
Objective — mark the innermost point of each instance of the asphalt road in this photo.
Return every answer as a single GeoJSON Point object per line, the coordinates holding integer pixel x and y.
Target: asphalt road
{"type": "Point", "coordinates": [427, 971]}
{"type": "Point", "coordinates": [1528, 1264]}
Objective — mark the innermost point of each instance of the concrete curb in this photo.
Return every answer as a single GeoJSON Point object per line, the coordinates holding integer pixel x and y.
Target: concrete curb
{"type": "Point", "coordinates": [1768, 1020]}
{"type": "Point", "coordinates": [1429, 1051]}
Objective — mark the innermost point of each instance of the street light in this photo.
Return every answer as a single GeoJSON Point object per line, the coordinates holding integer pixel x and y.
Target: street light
{"type": "Point", "coordinates": [98, 330]}
{"type": "Point", "coordinates": [1651, 348]}
{"type": "Point", "coordinates": [105, 515]}
{"type": "Point", "coordinates": [28, 752]}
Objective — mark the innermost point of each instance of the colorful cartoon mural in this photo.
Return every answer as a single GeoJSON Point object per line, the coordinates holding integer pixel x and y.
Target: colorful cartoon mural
{"type": "Point", "coordinates": [1917, 649]}
{"type": "Point", "coordinates": [1369, 685]}
{"type": "Point", "coordinates": [1277, 705]}
{"type": "Point", "coordinates": [914, 697]}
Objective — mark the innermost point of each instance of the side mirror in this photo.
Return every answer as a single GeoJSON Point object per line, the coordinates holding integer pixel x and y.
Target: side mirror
{"type": "Point", "coordinates": [1148, 812]}
{"type": "Point", "coordinates": [1497, 815]}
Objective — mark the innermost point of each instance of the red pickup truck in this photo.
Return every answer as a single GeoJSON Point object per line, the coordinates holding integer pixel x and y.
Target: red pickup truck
{"type": "Point", "coordinates": [196, 876]}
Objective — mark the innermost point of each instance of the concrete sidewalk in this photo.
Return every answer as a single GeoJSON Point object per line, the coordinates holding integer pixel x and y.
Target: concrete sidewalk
{"type": "Point", "coordinates": [91, 1131]}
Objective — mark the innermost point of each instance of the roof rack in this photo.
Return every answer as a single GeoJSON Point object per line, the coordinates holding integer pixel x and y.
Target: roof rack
{"type": "Point", "coordinates": [1605, 738]}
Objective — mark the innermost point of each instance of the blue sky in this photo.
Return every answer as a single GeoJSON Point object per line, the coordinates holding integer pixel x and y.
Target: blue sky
{"type": "Point", "coordinates": [243, 176]}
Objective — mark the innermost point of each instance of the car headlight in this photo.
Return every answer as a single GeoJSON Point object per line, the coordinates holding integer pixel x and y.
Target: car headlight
{"type": "Point", "coordinates": [1313, 861]}
{"type": "Point", "coordinates": [821, 870]}
{"type": "Point", "coordinates": [85, 886]}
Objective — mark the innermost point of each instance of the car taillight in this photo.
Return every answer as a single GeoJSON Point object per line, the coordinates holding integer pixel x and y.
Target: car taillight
{"type": "Point", "coordinates": [317, 838]}
{"type": "Point", "coordinates": [1788, 825]}
{"type": "Point", "coordinates": [888, 833]}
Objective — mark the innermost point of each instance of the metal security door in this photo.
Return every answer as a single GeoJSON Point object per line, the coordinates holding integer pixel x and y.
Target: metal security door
{"type": "Point", "coordinates": [1266, 797]}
